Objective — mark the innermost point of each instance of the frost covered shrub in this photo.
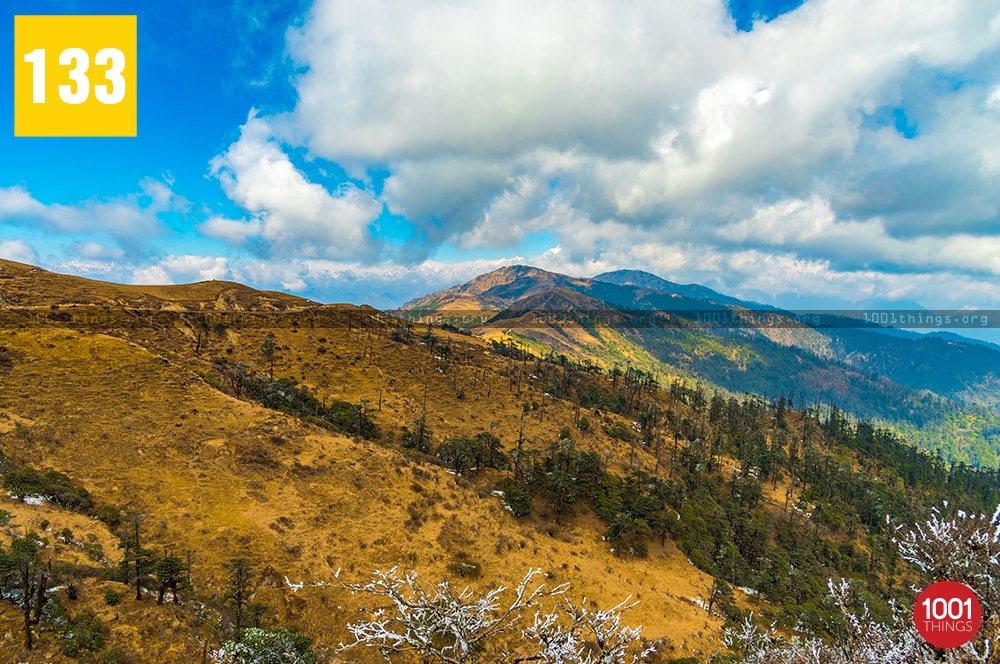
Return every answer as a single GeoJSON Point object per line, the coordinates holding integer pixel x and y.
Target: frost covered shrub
{"type": "Point", "coordinates": [961, 547]}
{"type": "Point", "coordinates": [267, 646]}
{"type": "Point", "coordinates": [444, 624]}
{"type": "Point", "coordinates": [862, 640]}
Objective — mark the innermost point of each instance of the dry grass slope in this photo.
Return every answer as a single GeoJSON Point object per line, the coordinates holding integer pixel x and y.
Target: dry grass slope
{"type": "Point", "coordinates": [122, 410]}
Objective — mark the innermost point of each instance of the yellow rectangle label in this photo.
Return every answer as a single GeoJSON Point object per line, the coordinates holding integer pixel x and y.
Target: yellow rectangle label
{"type": "Point", "coordinates": [75, 76]}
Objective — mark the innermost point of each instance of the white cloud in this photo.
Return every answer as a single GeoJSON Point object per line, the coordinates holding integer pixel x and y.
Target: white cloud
{"type": "Point", "coordinates": [388, 81]}
{"type": "Point", "coordinates": [131, 219]}
{"type": "Point", "coordinates": [153, 275]}
{"type": "Point", "coordinates": [16, 201]}
{"type": "Point", "coordinates": [651, 134]}
{"type": "Point", "coordinates": [231, 230]}
{"type": "Point", "coordinates": [294, 285]}
{"type": "Point", "coordinates": [181, 269]}
{"type": "Point", "coordinates": [993, 100]}
{"type": "Point", "coordinates": [293, 215]}
{"type": "Point", "coordinates": [812, 229]}
{"type": "Point", "coordinates": [755, 272]}
{"type": "Point", "coordinates": [645, 134]}
{"type": "Point", "coordinates": [517, 213]}
{"type": "Point", "coordinates": [95, 250]}
{"type": "Point", "coordinates": [18, 250]}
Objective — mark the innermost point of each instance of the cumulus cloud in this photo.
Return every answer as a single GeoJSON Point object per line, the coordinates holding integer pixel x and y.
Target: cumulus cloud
{"type": "Point", "coordinates": [96, 250]}
{"type": "Point", "coordinates": [759, 275]}
{"type": "Point", "coordinates": [291, 214]}
{"type": "Point", "coordinates": [232, 231]}
{"type": "Point", "coordinates": [131, 220]}
{"type": "Point", "coordinates": [848, 147]}
{"type": "Point", "coordinates": [429, 78]}
{"type": "Point", "coordinates": [646, 134]}
{"type": "Point", "coordinates": [18, 250]}
{"type": "Point", "coordinates": [181, 269]}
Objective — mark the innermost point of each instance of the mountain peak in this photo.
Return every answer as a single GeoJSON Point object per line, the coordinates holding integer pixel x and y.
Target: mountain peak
{"type": "Point", "coordinates": [494, 290]}
{"type": "Point", "coordinates": [648, 281]}
{"type": "Point", "coordinates": [629, 277]}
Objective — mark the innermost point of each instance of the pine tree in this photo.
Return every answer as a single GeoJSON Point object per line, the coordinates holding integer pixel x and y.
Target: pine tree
{"type": "Point", "coordinates": [239, 589]}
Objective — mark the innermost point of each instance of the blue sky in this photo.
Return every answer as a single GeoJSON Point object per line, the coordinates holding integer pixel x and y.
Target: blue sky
{"type": "Point", "coordinates": [369, 152]}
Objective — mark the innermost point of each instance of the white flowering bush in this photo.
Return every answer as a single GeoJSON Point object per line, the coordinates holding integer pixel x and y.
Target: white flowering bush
{"type": "Point", "coordinates": [863, 640]}
{"type": "Point", "coordinates": [962, 547]}
{"type": "Point", "coordinates": [452, 626]}
{"type": "Point", "coordinates": [265, 646]}
{"type": "Point", "coordinates": [582, 636]}
{"type": "Point", "coordinates": [965, 548]}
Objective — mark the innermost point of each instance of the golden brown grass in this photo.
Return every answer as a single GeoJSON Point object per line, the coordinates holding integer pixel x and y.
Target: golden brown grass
{"type": "Point", "coordinates": [122, 412]}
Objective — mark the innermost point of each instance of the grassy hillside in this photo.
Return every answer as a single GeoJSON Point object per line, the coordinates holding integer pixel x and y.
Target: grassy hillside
{"type": "Point", "coordinates": [155, 406]}
{"type": "Point", "coordinates": [125, 411]}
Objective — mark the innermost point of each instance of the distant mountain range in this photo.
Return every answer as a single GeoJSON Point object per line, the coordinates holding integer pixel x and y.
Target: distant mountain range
{"type": "Point", "coordinates": [941, 390]}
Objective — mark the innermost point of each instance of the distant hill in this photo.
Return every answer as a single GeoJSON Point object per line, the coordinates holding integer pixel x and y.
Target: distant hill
{"type": "Point", "coordinates": [495, 290]}
{"type": "Point", "coordinates": [647, 281]}
{"type": "Point", "coordinates": [943, 391]}
{"type": "Point", "coordinates": [951, 336]}
{"type": "Point", "coordinates": [25, 286]}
